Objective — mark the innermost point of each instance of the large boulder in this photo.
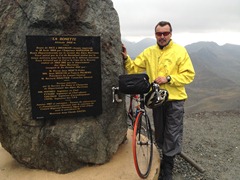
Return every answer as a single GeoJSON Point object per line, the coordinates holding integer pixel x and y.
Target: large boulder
{"type": "Point", "coordinates": [65, 144]}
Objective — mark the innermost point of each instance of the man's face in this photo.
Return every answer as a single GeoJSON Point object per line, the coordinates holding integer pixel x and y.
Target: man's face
{"type": "Point", "coordinates": [163, 35]}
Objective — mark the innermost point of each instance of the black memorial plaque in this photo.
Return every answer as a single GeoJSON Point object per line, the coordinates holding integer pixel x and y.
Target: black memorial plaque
{"type": "Point", "coordinates": [65, 76]}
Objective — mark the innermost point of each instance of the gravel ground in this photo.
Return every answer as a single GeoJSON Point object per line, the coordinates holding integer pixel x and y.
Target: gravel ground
{"type": "Point", "coordinates": [212, 140]}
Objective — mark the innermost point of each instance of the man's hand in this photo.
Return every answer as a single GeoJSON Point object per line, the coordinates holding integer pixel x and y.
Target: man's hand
{"type": "Point", "coordinates": [161, 80]}
{"type": "Point", "coordinates": [124, 52]}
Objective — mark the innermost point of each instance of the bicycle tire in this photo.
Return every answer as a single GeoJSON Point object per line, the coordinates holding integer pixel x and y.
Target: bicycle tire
{"type": "Point", "coordinates": [142, 145]}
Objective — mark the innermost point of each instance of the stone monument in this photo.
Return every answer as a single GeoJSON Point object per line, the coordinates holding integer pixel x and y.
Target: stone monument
{"type": "Point", "coordinates": [63, 143]}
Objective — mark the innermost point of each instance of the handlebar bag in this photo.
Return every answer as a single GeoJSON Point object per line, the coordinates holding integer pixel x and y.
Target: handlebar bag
{"type": "Point", "coordinates": [134, 83]}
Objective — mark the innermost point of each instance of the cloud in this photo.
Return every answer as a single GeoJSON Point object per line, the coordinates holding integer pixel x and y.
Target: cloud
{"type": "Point", "coordinates": [138, 18]}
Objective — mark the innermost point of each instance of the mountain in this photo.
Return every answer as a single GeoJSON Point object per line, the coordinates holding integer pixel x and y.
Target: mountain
{"type": "Point", "coordinates": [136, 48]}
{"type": "Point", "coordinates": [216, 86]}
{"type": "Point", "coordinates": [222, 60]}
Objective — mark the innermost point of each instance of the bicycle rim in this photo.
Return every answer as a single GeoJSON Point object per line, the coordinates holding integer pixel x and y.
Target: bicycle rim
{"type": "Point", "coordinates": [142, 145]}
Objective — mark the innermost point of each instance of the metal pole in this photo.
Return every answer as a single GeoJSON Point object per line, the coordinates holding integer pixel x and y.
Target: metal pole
{"type": "Point", "coordinates": [192, 162]}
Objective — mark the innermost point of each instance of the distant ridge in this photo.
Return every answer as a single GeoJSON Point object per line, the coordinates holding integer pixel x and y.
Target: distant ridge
{"type": "Point", "coordinates": [136, 48]}
{"type": "Point", "coordinates": [217, 83]}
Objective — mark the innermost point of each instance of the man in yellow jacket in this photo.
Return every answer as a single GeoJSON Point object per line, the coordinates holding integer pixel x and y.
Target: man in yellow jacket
{"type": "Point", "coordinates": [168, 64]}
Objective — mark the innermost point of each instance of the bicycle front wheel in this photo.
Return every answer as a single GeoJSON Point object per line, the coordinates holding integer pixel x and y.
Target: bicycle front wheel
{"type": "Point", "coordinates": [142, 145]}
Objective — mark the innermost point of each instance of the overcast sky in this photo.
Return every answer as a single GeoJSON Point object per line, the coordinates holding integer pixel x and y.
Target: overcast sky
{"type": "Point", "coordinates": [192, 20]}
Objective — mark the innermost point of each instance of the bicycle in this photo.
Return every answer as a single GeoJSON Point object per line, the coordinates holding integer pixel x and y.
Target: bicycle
{"type": "Point", "coordinates": [142, 142]}
{"type": "Point", "coordinates": [142, 139]}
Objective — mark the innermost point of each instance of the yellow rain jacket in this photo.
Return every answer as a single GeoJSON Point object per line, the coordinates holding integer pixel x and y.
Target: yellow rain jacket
{"type": "Point", "coordinates": [172, 60]}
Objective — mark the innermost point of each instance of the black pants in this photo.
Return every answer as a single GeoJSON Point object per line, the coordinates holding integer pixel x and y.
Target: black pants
{"type": "Point", "coordinates": [168, 123]}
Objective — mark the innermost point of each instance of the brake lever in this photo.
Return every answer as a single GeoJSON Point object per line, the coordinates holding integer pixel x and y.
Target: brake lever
{"type": "Point", "coordinates": [115, 95]}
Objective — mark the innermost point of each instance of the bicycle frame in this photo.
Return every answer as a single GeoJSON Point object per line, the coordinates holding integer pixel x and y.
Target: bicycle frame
{"type": "Point", "coordinates": [133, 109]}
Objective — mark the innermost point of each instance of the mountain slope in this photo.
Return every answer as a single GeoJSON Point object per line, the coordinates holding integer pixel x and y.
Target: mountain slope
{"type": "Point", "coordinates": [222, 60]}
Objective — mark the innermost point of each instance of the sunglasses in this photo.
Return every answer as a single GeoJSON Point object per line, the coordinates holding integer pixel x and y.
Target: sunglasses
{"type": "Point", "coordinates": [162, 33]}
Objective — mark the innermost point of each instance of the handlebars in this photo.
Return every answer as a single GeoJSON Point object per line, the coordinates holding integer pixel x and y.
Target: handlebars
{"type": "Point", "coordinates": [116, 92]}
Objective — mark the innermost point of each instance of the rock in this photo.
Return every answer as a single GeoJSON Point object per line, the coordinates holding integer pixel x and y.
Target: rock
{"type": "Point", "coordinates": [65, 144]}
